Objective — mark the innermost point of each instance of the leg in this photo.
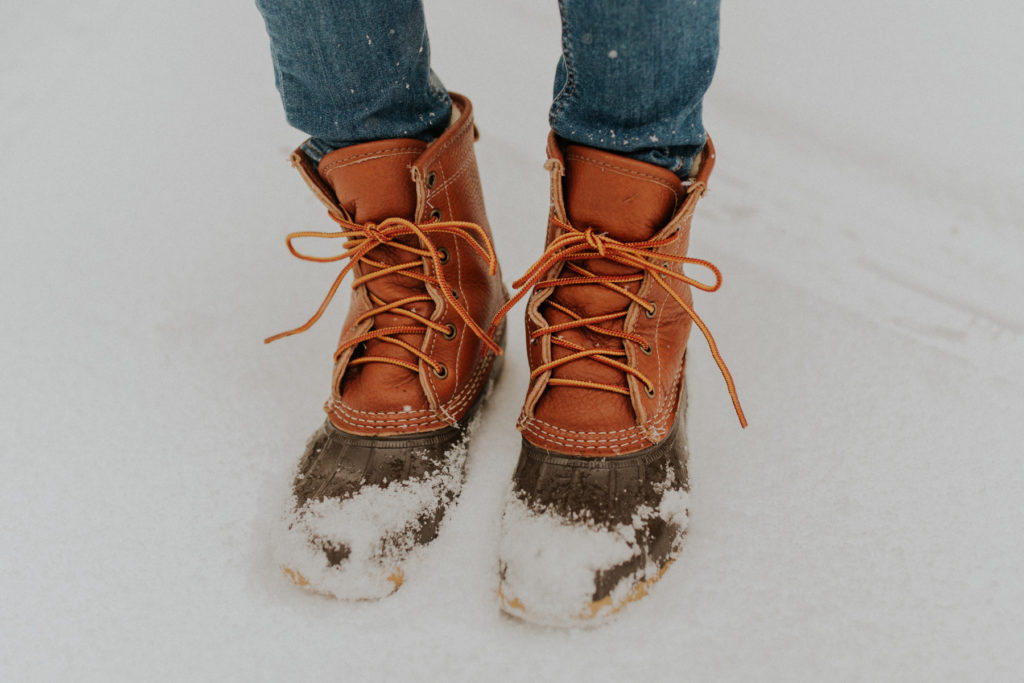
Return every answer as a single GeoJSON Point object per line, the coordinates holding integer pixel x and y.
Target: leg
{"type": "Point", "coordinates": [633, 75]}
{"type": "Point", "coordinates": [391, 156]}
{"type": "Point", "coordinates": [599, 500]}
{"type": "Point", "coordinates": [352, 71]}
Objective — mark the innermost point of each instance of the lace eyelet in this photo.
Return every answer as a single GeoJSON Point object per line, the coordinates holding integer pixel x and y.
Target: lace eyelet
{"type": "Point", "coordinates": [431, 179]}
{"type": "Point", "coordinates": [654, 310]}
{"type": "Point", "coordinates": [646, 349]}
{"type": "Point", "coordinates": [442, 373]}
{"type": "Point", "coordinates": [443, 255]}
{"type": "Point", "coordinates": [436, 214]}
{"type": "Point", "coordinates": [649, 391]}
{"type": "Point", "coordinates": [450, 334]}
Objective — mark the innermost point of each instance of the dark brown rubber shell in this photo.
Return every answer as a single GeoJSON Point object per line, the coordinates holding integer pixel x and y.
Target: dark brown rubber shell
{"type": "Point", "coordinates": [337, 464]}
{"type": "Point", "coordinates": [609, 492]}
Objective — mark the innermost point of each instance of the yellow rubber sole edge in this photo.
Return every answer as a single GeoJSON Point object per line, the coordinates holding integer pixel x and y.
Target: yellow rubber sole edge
{"type": "Point", "coordinates": [593, 612]}
{"type": "Point", "coordinates": [397, 577]}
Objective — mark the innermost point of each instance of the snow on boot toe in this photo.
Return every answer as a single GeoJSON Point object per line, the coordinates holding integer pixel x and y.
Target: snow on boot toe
{"type": "Point", "coordinates": [563, 572]}
{"type": "Point", "coordinates": [583, 537]}
{"type": "Point", "coordinates": [349, 530]}
{"type": "Point", "coordinates": [355, 548]}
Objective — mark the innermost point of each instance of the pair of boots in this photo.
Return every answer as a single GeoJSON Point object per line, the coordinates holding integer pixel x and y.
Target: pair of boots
{"type": "Point", "coordinates": [598, 503]}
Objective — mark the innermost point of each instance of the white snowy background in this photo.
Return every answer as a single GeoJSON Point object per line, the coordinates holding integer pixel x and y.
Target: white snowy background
{"type": "Point", "coordinates": [866, 211]}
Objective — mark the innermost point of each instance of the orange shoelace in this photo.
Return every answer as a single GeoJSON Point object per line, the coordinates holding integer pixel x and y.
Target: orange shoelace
{"type": "Point", "coordinates": [580, 245]}
{"type": "Point", "coordinates": [361, 240]}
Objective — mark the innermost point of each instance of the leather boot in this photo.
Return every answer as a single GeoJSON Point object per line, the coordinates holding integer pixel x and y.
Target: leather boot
{"type": "Point", "coordinates": [413, 364]}
{"type": "Point", "coordinates": [598, 506]}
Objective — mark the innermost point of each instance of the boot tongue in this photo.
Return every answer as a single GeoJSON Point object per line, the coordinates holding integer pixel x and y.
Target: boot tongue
{"type": "Point", "coordinates": [628, 199]}
{"type": "Point", "coordinates": [372, 182]}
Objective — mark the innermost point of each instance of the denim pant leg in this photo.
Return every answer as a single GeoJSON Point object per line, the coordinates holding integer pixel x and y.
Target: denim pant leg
{"type": "Point", "coordinates": [354, 70]}
{"type": "Point", "coordinates": [633, 75]}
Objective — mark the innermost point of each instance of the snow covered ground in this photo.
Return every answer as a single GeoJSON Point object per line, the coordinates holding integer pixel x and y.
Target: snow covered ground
{"type": "Point", "coordinates": [867, 214]}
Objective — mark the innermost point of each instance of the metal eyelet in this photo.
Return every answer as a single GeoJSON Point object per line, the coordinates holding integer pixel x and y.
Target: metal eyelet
{"type": "Point", "coordinates": [654, 310]}
{"type": "Point", "coordinates": [436, 214]}
{"type": "Point", "coordinates": [646, 349]}
{"type": "Point", "coordinates": [450, 334]}
{"type": "Point", "coordinates": [649, 392]}
{"type": "Point", "coordinates": [431, 179]}
{"type": "Point", "coordinates": [442, 373]}
{"type": "Point", "coordinates": [443, 255]}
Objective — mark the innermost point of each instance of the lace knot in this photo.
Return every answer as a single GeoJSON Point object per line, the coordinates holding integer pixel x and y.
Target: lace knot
{"type": "Point", "coordinates": [595, 241]}
{"type": "Point", "coordinates": [374, 232]}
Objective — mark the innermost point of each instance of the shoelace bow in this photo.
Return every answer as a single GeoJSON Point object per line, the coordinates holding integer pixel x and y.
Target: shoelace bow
{"type": "Point", "coordinates": [580, 245]}
{"type": "Point", "coordinates": [361, 239]}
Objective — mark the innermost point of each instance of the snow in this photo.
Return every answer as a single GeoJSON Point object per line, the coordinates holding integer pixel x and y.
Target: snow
{"type": "Point", "coordinates": [533, 549]}
{"type": "Point", "coordinates": [865, 211]}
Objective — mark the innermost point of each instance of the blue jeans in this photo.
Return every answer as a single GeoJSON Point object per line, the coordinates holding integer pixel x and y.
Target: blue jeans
{"type": "Point", "coordinates": [631, 78]}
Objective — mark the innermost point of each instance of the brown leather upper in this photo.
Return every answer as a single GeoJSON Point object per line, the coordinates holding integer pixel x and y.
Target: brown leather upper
{"type": "Point", "coordinates": [629, 201]}
{"type": "Point", "coordinates": [404, 178]}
